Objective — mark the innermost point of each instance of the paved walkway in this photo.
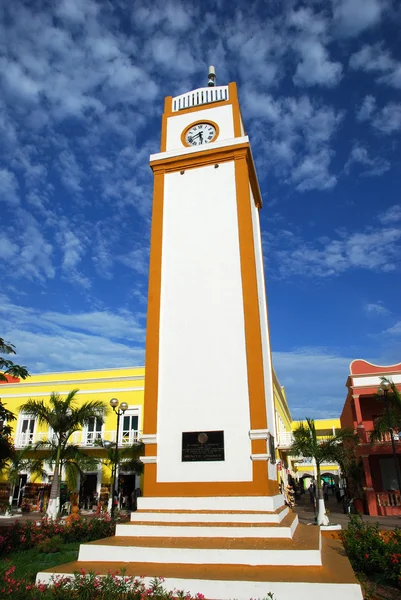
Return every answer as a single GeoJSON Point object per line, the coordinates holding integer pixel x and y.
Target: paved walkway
{"type": "Point", "coordinates": [304, 510]}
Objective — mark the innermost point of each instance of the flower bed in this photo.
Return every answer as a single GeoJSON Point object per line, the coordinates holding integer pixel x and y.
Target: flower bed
{"type": "Point", "coordinates": [88, 586]}
{"type": "Point", "coordinates": [372, 551]}
{"type": "Point", "coordinates": [28, 534]}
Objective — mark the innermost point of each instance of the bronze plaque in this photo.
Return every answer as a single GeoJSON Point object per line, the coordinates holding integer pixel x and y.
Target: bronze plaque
{"type": "Point", "coordinates": [199, 446]}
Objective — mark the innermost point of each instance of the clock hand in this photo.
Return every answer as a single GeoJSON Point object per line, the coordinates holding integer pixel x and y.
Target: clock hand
{"type": "Point", "coordinates": [191, 138]}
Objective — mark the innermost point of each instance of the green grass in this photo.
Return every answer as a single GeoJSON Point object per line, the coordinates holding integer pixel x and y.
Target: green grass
{"type": "Point", "coordinates": [29, 562]}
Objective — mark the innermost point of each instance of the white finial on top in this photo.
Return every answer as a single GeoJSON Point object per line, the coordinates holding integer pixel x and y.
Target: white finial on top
{"type": "Point", "coordinates": [211, 79]}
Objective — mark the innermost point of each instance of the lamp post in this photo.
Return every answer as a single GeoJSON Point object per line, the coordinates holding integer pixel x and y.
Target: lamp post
{"type": "Point", "coordinates": [119, 411]}
{"type": "Point", "coordinates": [383, 391]}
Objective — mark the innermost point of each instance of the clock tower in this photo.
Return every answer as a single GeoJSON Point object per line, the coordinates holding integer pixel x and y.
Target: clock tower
{"type": "Point", "coordinates": [211, 519]}
{"type": "Point", "coordinates": [209, 409]}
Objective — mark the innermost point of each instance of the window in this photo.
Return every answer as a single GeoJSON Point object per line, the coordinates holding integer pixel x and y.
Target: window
{"type": "Point", "coordinates": [93, 431]}
{"type": "Point", "coordinates": [129, 430]}
{"type": "Point", "coordinates": [26, 430]}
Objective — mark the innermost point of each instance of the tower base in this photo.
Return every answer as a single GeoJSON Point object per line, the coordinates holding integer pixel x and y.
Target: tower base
{"type": "Point", "coordinates": [222, 554]}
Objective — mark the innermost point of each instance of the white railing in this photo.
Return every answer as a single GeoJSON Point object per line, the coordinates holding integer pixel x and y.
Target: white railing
{"type": "Point", "coordinates": [85, 439]}
{"type": "Point", "coordinates": [310, 461]}
{"type": "Point", "coordinates": [205, 95]}
{"type": "Point", "coordinates": [285, 439]}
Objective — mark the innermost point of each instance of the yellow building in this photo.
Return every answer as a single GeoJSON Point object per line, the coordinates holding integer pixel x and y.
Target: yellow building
{"type": "Point", "coordinates": [304, 468]}
{"type": "Point", "coordinates": [283, 431]}
{"type": "Point", "coordinates": [125, 384]}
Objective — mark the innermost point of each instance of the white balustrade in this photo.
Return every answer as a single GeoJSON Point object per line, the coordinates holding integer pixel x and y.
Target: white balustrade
{"type": "Point", "coordinates": [205, 95]}
{"type": "Point", "coordinates": [285, 439]}
{"type": "Point", "coordinates": [85, 439]}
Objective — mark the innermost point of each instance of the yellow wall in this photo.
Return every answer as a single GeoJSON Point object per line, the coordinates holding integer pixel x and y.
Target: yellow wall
{"type": "Point", "coordinates": [126, 384]}
{"type": "Point", "coordinates": [322, 425]}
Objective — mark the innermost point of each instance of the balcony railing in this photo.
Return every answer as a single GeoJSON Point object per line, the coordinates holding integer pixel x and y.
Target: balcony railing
{"type": "Point", "coordinates": [388, 499]}
{"type": "Point", "coordinates": [285, 439]}
{"type": "Point", "coordinates": [205, 95]}
{"type": "Point", "coordinates": [84, 439]}
{"type": "Point", "coordinates": [385, 437]}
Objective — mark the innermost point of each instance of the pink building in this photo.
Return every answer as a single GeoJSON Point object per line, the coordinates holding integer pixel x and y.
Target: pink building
{"type": "Point", "coordinates": [360, 410]}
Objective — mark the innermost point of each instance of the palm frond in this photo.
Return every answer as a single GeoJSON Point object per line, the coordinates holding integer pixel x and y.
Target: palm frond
{"type": "Point", "coordinates": [38, 409]}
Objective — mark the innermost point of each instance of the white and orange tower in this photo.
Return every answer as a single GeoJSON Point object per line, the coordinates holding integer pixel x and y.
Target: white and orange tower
{"type": "Point", "coordinates": [208, 358]}
{"type": "Point", "coordinates": [211, 519]}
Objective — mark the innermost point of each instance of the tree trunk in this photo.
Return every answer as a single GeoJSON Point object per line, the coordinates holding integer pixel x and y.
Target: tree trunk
{"type": "Point", "coordinates": [11, 496]}
{"type": "Point", "coordinates": [53, 508]}
{"type": "Point", "coordinates": [322, 518]}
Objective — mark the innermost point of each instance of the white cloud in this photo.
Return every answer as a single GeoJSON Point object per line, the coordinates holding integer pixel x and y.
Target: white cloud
{"type": "Point", "coordinates": [367, 108]}
{"type": "Point", "coordinates": [295, 137]}
{"type": "Point", "coordinates": [376, 308]}
{"type": "Point", "coordinates": [388, 119]}
{"type": "Point", "coordinates": [73, 246]}
{"type": "Point", "coordinates": [70, 173]}
{"type": "Point", "coordinates": [391, 215]}
{"type": "Point", "coordinates": [314, 380]}
{"type": "Point", "coordinates": [375, 250]}
{"type": "Point", "coordinates": [8, 187]}
{"type": "Point", "coordinates": [395, 329]}
{"type": "Point", "coordinates": [137, 259]}
{"type": "Point", "coordinates": [351, 17]}
{"type": "Point", "coordinates": [99, 339]}
{"type": "Point", "coordinates": [372, 58]}
{"type": "Point", "coordinates": [313, 172]}
{"type": "Point", "coordinates": [314, 66]}
{"type": "Point", "coordinates": [373, 166]}
{"type": "Point", "coordinates": [8, 249]}
{"type": "Point", "coordinates": [375, 58]}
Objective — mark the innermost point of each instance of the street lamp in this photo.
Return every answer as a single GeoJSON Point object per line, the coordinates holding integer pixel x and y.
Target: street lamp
{"type": "Point", "coordinates": [119, 411]}
{"type": "Point", "coordinates": [383, 391]}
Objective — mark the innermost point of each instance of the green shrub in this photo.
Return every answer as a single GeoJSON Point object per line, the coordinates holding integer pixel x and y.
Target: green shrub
{"type": "Point", "coordinates": [51, 545]}
{"type": "Point", "coordinates": [371, 551]}
{"type": "Point", "coordinates": [23, 535]}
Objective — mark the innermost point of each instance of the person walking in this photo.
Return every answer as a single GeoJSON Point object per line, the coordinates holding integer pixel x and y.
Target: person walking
{"type": "Point", "coordinates": [312, 495]}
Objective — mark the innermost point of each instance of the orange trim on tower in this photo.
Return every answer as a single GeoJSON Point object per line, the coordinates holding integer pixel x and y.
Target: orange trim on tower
{"type": "Point", "coordinates": [253, 339]}
{"type": "Point", "coordinates": [211, 156]}
{"type": "Point", "coordinates": [168, 107]}
{"type": "Point", "coordinates": [259, 447]}
{"type": "Point", "coordinates": [260, 486]}
{"type": "Point", "coordinates": [233, 97]}
{"type": "Point", "coordinates": [153, 320]}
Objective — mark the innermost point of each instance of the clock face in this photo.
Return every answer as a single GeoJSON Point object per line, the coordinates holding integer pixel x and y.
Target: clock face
{"type": "Point", "coordinates": [200, 133]}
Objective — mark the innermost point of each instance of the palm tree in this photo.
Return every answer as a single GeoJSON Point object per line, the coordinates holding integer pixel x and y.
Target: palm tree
{"type": "Point", "coordinates": [390, 418]}
{"type": "Point", "coordinates": [128, 460]}
{"type": "Point", "coordinates": [307, 444]}
{"type": "Point", "coordinates": [64, 418]}
{"type": "Point", "coordinates": [21, 461]}
{"type": "Point", "coordinates": [7, 366]}
{"type": "Point", "coordinates": [73, 461]}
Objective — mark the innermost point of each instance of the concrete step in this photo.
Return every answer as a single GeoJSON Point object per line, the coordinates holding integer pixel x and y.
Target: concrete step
{"type": "Point", "coordinates": [302, 549]}
{"type": "Point", "coordinates": [211, 503]}
{"type": "Point", "coordinates": [333, 579]}
{"type": "Point", "coordinates": [232, 529]}
{"type": "Point", "coordinates": [215, 516]}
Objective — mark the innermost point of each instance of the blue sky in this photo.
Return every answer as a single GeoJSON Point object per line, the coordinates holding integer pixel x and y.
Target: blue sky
{"type": "Point", "coordinates": [82, 90]}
